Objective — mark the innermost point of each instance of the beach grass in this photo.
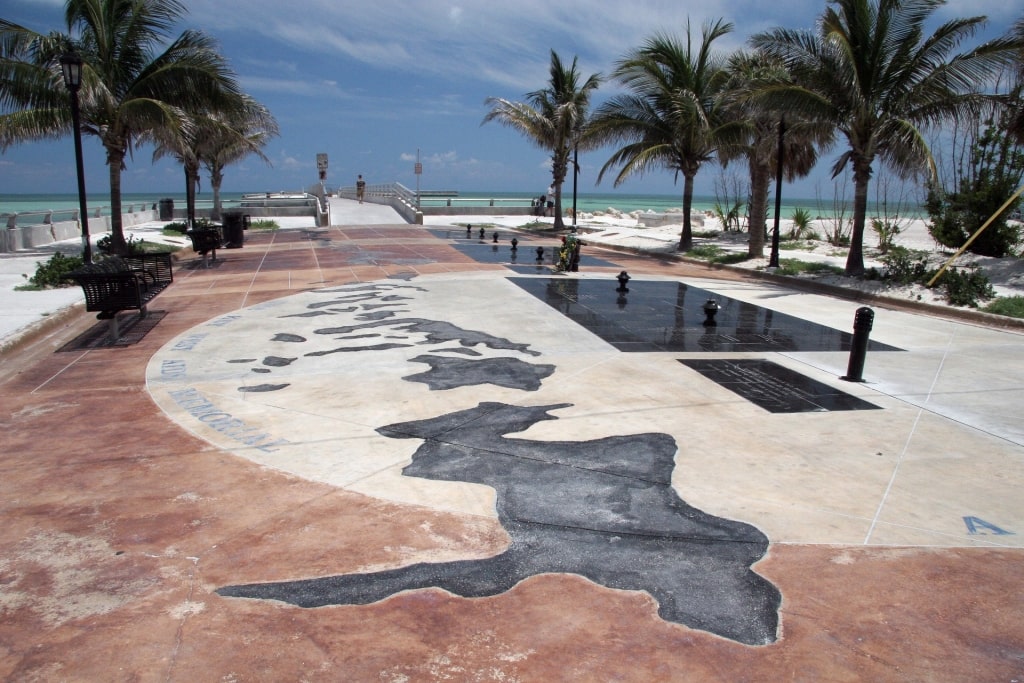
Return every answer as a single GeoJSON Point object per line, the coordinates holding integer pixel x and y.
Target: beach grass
{"type": "Point", "coordinates": [794, 267]}
{"type": "Point", "coordinates": [1010, 306]}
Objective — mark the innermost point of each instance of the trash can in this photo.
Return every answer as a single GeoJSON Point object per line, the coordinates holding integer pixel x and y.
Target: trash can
{"type": "Point", "coordinates": [233, 227]}
{"type": "Point", "coordinates": [167, 209]}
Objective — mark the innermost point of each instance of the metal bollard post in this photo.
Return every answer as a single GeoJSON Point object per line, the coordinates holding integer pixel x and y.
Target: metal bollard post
{"type": "Point", "coordinates": [862, 323]}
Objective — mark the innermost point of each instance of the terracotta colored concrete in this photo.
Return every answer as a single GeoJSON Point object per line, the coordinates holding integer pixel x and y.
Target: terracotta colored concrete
{"type": "Point", "coordinates": [119, 526]}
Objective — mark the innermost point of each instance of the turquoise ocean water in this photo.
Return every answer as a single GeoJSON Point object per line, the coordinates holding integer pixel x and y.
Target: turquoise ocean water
{"type": "Point", "coordinates": [590, 202]}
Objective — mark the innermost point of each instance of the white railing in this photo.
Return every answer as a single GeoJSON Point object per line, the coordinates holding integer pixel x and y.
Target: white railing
{"type": "Point", "coordinates": [47, 229]}
{"type": "Point", "coordinates": [413, 207]}
{"type": "Point", "coordinates": [50, 216]}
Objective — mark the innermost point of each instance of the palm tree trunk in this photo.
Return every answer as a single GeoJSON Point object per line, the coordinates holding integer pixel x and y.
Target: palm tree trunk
{"type": "Point", "coordinates": [686, 237]}
{"type": "Point", "coordinates": [759, 178]}
{"type": "Point", "coordinates": [191, 175]}
{"type": "Point", "coordinates": [115, 160]}
{"type": "Point", "coordinates": [861, 178]}
{"type": "Point", "coordinates": [559, 223]}
{"type": "Point", "coordinates": [216, 178]}
{"type": "Point", "coordinates": [560, 165]}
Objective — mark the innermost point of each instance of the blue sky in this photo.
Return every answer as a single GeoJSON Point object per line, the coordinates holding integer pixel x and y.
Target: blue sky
{"type": "Point", "coordinates": [373, 83]}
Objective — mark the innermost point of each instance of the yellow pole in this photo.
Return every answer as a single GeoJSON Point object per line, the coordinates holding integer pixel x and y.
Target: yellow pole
{"type": "Point", "coordinates": [952, 258]}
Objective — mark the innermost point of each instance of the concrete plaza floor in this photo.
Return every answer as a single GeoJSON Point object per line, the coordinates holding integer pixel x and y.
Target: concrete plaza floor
{"type": "Point", "coordinates": [289, 428]}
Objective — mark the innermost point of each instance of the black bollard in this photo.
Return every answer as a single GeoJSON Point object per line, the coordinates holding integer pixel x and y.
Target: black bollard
{"type": "Point", "coordinates": [711, 309]}
{"type": "Point", "coordinates": [515, 244]}
{"type": "Point", "coordinates": [469, 229]}
{"type": "Point", "coordinates": [540, 253]}
{"type": "Point", "coordinates": [862, 323]}
{"type": "Point", "coordinates": [495, 237]}
{"type": "Point", "coordinates": [623, 279]}
{"type": "Point", "coordinates": [481, 234]}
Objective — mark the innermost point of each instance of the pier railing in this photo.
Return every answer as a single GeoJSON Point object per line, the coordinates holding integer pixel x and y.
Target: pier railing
{"type": "Point", "coordinates": [412, 207]}
{"type": "Point", "coordinates": [31, 229]}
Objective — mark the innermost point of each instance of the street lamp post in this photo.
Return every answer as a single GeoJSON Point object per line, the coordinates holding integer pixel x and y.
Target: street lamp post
{"type": "Point", "coordinates": [575, 175]}
{"type": "Point", "coordinates": [71, 67]}
{"type": "Point", "coordinates": [773, 260]}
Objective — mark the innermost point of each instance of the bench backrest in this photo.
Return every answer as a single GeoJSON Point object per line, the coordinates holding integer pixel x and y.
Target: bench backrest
{"type": "Point", "coordinates": [123, 282]}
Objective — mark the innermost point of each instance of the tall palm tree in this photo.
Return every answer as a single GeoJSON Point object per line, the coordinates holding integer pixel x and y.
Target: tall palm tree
{"type": "Point", "coordinates": [1017, 121]}
{"type": "Point", "coordinates": [214, 139]}
{"type": "Point", "coordinates": [750, 72]}
{"type": "Point", "coordinates": [554, 119]}
{"type": "Point", "coordinates": [872, 71]}
{"type": "Point", "coordinates": [671, 119]}
{"type": "Point", "coordinates": [245, 131]}
{"type": "Point", "coordinates": [131, 83]}
{"type": "Point", "coordinates": [180, 143]}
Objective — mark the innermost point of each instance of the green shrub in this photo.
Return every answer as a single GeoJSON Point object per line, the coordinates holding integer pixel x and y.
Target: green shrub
{"type": "Point", "coordinates": [264, 224]}
{"type": "Point", "coordinates": [1010, 306]}
{"type": "Point", "coordinates": [729, 217]}
{"type": "Point", "coordinates": [788, 266]}
{"type": "Point", "coordinates": [135, 245]}
{"type": "Point", "coordinates": [705, 252]}
{"type": "Point", "coordinates": [731, 257]}
{"type": "Point", "coordinates": [532, 225]}
{"type": "Point", "coordinates": [801, 223]}
{"type": "Point", "coordinates": [886, 231]}
{"type": "Point", "coordinates": [175, 229]}
{"type": "Point", "coordinates": [53, 273]}
{"type": "Point", "coordinates": [964, 287]}
{"type": "Point", "coordinates": [905, 266]}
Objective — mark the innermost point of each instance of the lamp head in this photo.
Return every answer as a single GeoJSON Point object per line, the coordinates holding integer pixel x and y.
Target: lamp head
{"type": "Point", "coordinates": [71, 68]}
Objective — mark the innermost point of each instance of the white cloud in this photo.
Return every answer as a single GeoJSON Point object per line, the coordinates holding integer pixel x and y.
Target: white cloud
{"type": "Point", "coordinates": [288, 162]}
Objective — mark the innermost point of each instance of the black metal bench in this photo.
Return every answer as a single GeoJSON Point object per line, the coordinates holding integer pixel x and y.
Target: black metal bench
{"type": "Point", "coordinates": [125, 283]}
{"type": "Point", "coordinates": [206, 240]}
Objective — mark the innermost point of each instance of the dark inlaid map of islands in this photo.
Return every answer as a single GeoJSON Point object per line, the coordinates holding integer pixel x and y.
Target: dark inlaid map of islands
{"type": "Point", "coordinates": [604, 509]}
{"type": "Point", "coordinates": [379, 326]}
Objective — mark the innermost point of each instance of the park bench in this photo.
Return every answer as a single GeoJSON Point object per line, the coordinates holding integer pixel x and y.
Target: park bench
{"type": "Point", "coordinates": [123, 283]}
{"type": "Point", "coordinates": [204, 241]}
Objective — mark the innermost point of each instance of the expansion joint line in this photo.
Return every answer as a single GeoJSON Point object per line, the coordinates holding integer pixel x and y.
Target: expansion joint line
{"type": "Point", "coordinates": [259, 268]}
{"type": "Point", "coordinates": [910, 436]}
{"type": "Point", "coordinates": [316, 260]}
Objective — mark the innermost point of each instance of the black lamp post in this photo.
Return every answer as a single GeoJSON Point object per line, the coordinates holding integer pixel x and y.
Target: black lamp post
{"type": "Point", "coordinates": [71, 67]}
{"type": "Point", "coordinates": [773, 261]}
{"type": "Point", "coordinates": [575, 175]}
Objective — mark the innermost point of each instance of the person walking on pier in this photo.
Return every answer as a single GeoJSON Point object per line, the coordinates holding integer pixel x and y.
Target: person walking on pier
{"type": "Point", "coordinates": [360, 188]}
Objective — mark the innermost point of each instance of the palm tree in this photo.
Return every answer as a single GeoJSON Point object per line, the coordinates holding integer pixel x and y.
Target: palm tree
{"type": "Point", "coordinates": [1017, 121]}
{"type": "Point", "coordinates": [247, 129]}
{"type": "Point", "coordinates": [213, 139]}
{"type": "Point", "coordinates": [129, 85]}
{"type": "Point", "coordinates": [180, 143]}
{"type": "Point", "coordinates": [871, 71]}
{"type": "Point", "coordinates": [750, 72]}
{"type": "Point", "coordinates": [554, 119]}
{"type": "Point", "coordinates": [671, 119]}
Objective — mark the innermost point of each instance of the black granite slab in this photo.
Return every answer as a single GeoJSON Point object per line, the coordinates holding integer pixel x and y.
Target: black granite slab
{"type": "Point", "coordinates": [774, 387]}
{"type": "Point", "coordinates": [604, 509]}
{"type": "Point", "coordinates": [669, 316]}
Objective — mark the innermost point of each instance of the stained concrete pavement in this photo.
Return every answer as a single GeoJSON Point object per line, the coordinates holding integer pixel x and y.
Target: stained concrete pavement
{"type": "Point", "coordinates": [892, 534]}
